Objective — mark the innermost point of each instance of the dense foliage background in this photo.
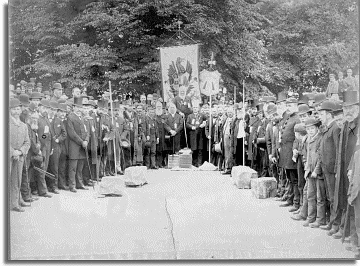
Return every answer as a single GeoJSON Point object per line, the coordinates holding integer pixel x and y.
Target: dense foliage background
{"type": "Point", "coordinates": [275, 44]}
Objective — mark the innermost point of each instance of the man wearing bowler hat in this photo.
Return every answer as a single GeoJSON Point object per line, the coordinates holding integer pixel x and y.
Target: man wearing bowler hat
{"type": "Point", "coordinates": [329, 147]}
{"type": "Point", "coordinates": [347, 144]}
{"type": "Point", "coordinates": [78, 143]}
{"type": "Point", "coordinates": [57, 162]}
{"type": "Point", "coordinates": [57, 92]}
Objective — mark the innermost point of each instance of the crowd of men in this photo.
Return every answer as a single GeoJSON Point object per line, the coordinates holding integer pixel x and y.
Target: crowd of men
{"type": "Point", "coordinates": [309, 144]}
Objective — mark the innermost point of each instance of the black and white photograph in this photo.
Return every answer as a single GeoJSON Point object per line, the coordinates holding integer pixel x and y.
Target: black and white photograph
{"type": "Point", "coordinates": [181, 130]}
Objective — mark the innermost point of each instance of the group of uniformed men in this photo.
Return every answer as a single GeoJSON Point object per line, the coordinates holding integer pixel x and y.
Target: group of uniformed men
{"type": "Point", "coordinates": [308, 144]}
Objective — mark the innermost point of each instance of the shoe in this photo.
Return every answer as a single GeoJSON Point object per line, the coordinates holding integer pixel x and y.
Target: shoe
{"type": "Point", "coordinates": [73, 190]}
{"type": "Point", "coordinates": [351, 247]}
{"type": "Point", "coordinates": [64, 188]}
{"type": "Point", "coordinates": [332, 231]}
{"type": "Point", "coordinates": [307, 223]}
{"type": "Point", "coordinates": [226, 173]}
{"type": "Point", "coordinates": [46, 195]}
{"type": "Point", "coordinates": [297, 211]}
{"type": "Point", "coordinates": [18, 209]}
{"type": "Point", "coordinates": [35, 192]}
{"type": "Point", "coordinates": [287, 204]}
{"type": "Point", "coordinates": [54, 191]}
{"type": "Point", "coordinates": [24, 204]}
{"type": "Point", "coordinates": [293, 209]}
{"type": "Point", "coordinates": [338, 235]}
{"type": "Point", "coordinates": [155, 167]}
{"type": "Point", "coordinates": [31, 199]}
{"type": "Point", "coordinates": [325, 227]}
{"type": "Point", "coordinates": [82, 187]}
{"type": "Point", "coordinates": [280, 199]}
{"type": "Point", "coordinates": [315, 225]}
{"type": "Point", "coordinates": [297, 217]}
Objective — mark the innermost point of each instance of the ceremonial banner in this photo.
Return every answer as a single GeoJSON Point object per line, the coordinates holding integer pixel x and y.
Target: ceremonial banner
{"type": "Point", "coordinates": [179, 67]}
{"type": "Point", "coordinates": [209, 82]}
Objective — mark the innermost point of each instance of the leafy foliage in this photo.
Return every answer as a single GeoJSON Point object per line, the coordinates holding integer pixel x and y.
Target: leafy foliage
{"type": "Point", "coordinates": [272, 44]}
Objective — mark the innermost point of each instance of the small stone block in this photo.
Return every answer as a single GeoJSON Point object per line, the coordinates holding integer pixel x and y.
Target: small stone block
{"type": "Point", "coordinates": [135, 176]}
{"type": "Point", "coordinates": [264, 187]}
{"type": "Point", "coordinates": [242, 175]}
{"type": "Point", "coordinates": [111, 185]}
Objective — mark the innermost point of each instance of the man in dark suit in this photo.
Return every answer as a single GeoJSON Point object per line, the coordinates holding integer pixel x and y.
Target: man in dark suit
{"type": "Point", "coordinates": [58, 158]}
{"type": "Point", "coordinates": [238, 136]}
{"type": "Point", "coordinates": [45, 134]}
{"type": "Point", "coordinates": [173, 126]}
{"type": "Point", "coordinates": [210, 134]}
{"type": "Point", "coordinates": [347, 145]}
{"type": "Point", "coordinates": [328, 149]}
{"type": "Point", "coordinates": [160, 147]}
{"type": "Point", "coordinates": [152, 138]}
{"type": "Point", "coordinates": [195, 123]}
{"type": "Point", "coordinates": [78, 142]}
{"type": "Point", "coordinates": [287, 138]}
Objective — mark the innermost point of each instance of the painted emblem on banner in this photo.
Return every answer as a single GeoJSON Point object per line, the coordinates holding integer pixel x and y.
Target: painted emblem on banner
{"type": "Point", "coordinates": [209, 82]}
{"type": "Point", "coordinates": [179, 68]}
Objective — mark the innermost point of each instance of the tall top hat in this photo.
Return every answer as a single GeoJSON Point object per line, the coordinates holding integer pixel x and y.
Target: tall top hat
{"type": "Point", "coordinates": [78, 101]}
{"type": "Point", "coordinates": [351, 98]}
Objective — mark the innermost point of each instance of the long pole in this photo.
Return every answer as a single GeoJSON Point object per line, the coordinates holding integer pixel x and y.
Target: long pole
{"type": "Point", "coordinates": [112, 121]}
{"type": "Point", "coordinates": [234, 94]}
{"type": "Point", "coordinates": [210, 125]}
{"type": "Point", "coordinates": [243, 143]}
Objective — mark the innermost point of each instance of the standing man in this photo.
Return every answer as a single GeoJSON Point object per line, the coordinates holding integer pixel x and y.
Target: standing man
{"type": "Point", "coordinates": [160, 147]}
{"type": "Point", "coordinates": [227, 146]}
{"type": "Point", "coordinates": [239, 136]}
{"type": "Point", "coordinates": [173, 126]}
{"type": "Point", "coordinates": [287, 138]}
{"type": "Point", "coordinates": [78, 142]}
{"type": "Point", "coordinates": [152, 139]}
{"type": "Point", "coordinates": [210, 135]}
{"type": "Point", "coordinates": [46, 136]}
{"type": "Point", "coordinates": [139, 135]}
{"type": "Point", "coordinates": [57, 162]}
{"type": "Point", "coordinates": [19, 146]}
{"type": "Point", "coordinates": [329, 147]}
{"type": "Point", "coordinates": [195, 123]}
{"type": "Point", "coordinates": [183, 107]}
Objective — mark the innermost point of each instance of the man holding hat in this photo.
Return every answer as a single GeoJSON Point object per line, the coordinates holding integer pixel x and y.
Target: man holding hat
{"type": "Point", "coordinates": [57, 162]}
{"type": "Point", "coordinates": [347, 145]}
{"type": "Point", "coordinates": [78, 143]}
{"type": "Point", "coordinates": [57, 92]}
{"type": "Point", "coordinates": [19, 146]}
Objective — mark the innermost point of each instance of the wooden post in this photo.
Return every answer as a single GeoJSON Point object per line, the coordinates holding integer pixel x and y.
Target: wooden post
{"type": "Point", "coordinates": [112, 121]}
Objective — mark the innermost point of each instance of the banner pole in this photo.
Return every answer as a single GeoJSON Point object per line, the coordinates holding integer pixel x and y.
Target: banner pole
{"type": "Point", "coordinates": [112, 121]}
{"type": "Point", "coordinates": [210, 125]}
{"type": "Point", "coordinates": [244, 122]}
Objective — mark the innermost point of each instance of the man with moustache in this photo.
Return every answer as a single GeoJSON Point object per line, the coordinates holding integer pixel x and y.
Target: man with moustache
{"type": "Point", "coordinates": [160, 147]}
{"type": "Point", "coordinates": [227, 147]}
{"type": "Point", "coordinates": [19, 146]}
{"type": "Point", "coordinates": [183, 107]}
{"type": "Point", "coordinates": [253, 126]}
{"type": "Point", "coordinates": [238, 135]}
{"type": "Point", "coordinates": [152, 139]}
{"type": "Point", "coordinates": [210, 135]}
{"type": "Point", "coordinates": [173, 126]}
{"type": "Point", "coordinates": [219, 125]}
{"type": "Point", "coordinates": [139, 135]}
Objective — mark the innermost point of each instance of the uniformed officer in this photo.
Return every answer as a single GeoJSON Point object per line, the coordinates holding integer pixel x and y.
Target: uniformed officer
{"type": "Point", "coordinates": [19, 146]}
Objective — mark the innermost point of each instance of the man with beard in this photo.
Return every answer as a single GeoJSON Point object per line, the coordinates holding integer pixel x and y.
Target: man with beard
{"type": "Point", "coordinates": [347, 145]}
{"type": "Point", "coordinates": [205, 112]}
{"type": "Point", "coordinates": [253, 126]}
{"type": "Point", "coordinates": [218, 129]}
{"type": "Point", "coordinates": [46, 135]}
{"type": "Point", "coordinates": [183, 106]}
{"type": "Point", "coordinates": [196, 123]}
{"type": "Point", "coordinates": [261, 144]}
{"type": "Point", "coordinates": [160, 147]}
{"type": "Point", "coordinates": [78, 142]}
{"type": "Point", "coordinates": [227, 146]}
{"type": "Point", "coordinates": [33, 158]}
{"type": "Point", "coordinates": [58, 158]}
{"type": "Point", "coordinates": [76, 93]}
{"type": "Point", "coordinates": [152, 139]}
{"type": "Point", "coordinates": [35, 98]}
{"type": "Point", "coordinates": [19, 146]}
{"type": "Point", "coordinates": [173, 126]}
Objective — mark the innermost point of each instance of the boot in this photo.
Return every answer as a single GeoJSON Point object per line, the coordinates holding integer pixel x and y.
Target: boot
{"type": "Point", "coordinates": [338, 235]}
